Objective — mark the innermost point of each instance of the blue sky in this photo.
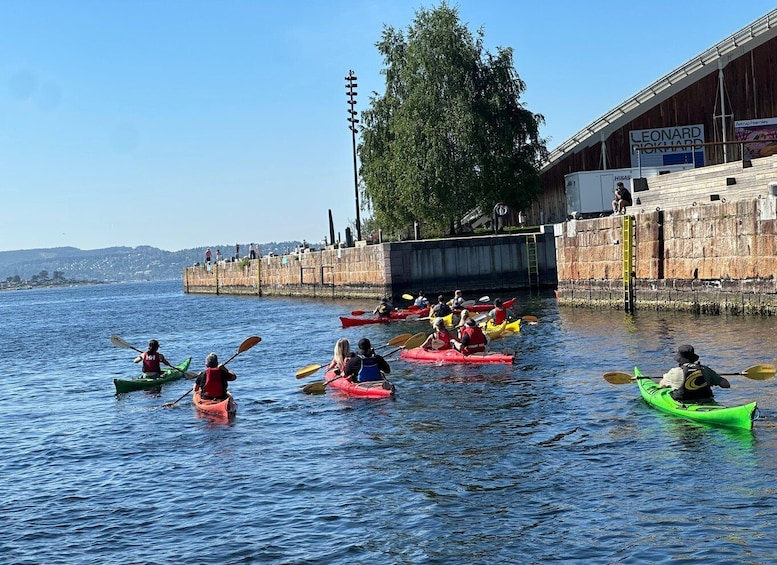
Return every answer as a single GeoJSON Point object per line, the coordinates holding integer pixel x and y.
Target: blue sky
{"type": "Point", "coordinates": [185, 123]}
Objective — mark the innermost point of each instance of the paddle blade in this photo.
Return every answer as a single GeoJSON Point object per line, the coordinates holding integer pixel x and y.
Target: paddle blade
{"type": "Point", "coordinates": [759, 372]}
{"type": "Point", "coordinates": [357, 312]}
{"type": "Point", "coordinates": [314, 388]}
{"type": "Point", "coordinates": [618, 378]}
{"type": "Point", "coordinates": [399, 340]}
{"type": "Point", "coordinates": [467, 303]}
{"type": "Point", "coordinates": [408, 297]}
{"type": "Point", "coordinates": [119, 342]}
{"type": "Point", "coordinates": [485, 298]}
{"type": "Point", "coordinates": [415, 341]}
{"type": "Point", "coordinates": [529, 319]}
{"type": "Point", "coordinates": [249, 343]}
{"type": "Point", "coordinates": [307, 371]}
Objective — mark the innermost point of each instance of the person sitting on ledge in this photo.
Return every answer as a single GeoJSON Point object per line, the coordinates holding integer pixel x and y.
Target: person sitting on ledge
{"type": "Point", "coordinates": [622, 199]}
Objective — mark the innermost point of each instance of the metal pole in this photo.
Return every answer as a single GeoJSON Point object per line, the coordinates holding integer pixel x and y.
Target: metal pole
{"type": "Point", "coordinates": [350, 83]}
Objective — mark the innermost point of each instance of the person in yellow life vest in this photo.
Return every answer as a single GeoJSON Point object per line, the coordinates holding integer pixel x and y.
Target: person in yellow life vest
{"type": "Point", "coordinates": [691, 381]}
{"type": "Point", "coordinates": [152, 360]}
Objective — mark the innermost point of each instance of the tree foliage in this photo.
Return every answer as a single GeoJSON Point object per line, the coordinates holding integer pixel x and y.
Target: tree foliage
{"type": "Point", "coordinates": [449, 133]}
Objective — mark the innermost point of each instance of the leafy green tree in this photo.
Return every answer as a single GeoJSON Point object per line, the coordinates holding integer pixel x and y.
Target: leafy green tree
{"type": "Point", "coordinates": [449, 133]}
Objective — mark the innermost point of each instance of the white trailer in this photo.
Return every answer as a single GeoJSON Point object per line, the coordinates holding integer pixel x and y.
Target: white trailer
{"type": "Point", "coordinates": [590, 193]}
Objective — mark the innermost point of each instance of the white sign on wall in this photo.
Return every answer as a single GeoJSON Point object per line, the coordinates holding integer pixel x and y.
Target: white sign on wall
{"type": "Point", "coordinates": [664, 146]}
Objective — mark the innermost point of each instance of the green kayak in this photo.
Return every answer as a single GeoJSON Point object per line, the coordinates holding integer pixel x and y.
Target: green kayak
{"type": "Point", "coordinates": [141, 383]}
{"type": "Point", "coordinates": [713, 413]}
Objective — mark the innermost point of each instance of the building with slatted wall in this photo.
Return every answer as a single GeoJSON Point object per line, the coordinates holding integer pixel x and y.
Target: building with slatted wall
{"type": "Point", "coordinates": [704, 110]}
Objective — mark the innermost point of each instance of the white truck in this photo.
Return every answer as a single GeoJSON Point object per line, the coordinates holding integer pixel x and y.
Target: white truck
{"type": "Point", "coordinates": [590, 193]}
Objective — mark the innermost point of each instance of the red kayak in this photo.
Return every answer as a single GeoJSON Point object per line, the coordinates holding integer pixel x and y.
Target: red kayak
{"type": "Point", "coordinates": [453, 356]}
{"type": "Point", "coordinates": [369, 389]}
{"type": "Point", "coordinates": [396, 316]}
{"type": "Point", "coordinates": [222, 408]}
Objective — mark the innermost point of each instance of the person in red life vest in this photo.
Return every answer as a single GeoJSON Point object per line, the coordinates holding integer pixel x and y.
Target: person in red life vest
{"type": "Point", "coordinates": [472, 339]}
{"type": "Point", "coordinates": [213, 382]}
{"type": "Point", "coordinates": [498, 314]}
{"type": "Point", "coordinates": [366, 365]}
{"type": "Point", "coordinates": [440, 339]}
{"type": "Point", "coordinates": [152, 360]}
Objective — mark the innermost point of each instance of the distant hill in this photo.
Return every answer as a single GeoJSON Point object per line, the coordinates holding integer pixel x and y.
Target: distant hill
{"type": "Point", "coordinates": [120, 264]}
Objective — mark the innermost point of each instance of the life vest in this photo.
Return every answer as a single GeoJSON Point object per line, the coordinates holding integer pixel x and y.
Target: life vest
{"type": "Point", "coordinates": [445, 337]}
{"type": "Point", "coordinates": [440, 310]}
{"type": "Point", "coordinates": [369, 370]}
{"type": "Point", "coordinates": [477, 340]}
{"type": "Point", "coordinates": [215, 383]}
{"type": "Point", "coordinates": [150, 362]}
{"type": "Point", "coordinates": [500, 315]}
{"type": "Point", "coordinates": [695, 386]}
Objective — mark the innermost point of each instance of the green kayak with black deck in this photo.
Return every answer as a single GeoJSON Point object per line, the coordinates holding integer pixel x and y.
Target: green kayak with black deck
{"type": "Point", "coordinates": [741, 416]}
{"type": "Point", "coordinates": [142, 383]}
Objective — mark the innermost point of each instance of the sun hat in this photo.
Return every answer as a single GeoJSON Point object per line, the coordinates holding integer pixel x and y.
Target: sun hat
{"type": "Point", "coordinates": [686, 354]}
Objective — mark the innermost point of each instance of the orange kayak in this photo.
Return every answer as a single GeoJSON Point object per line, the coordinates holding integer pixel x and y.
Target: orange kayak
{"type": "Point", "coordinates": [222, 408]}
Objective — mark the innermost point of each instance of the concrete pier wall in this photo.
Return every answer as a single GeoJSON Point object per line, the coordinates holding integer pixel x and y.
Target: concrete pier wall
{"type": "Point", "coordinates": [716, 258]}
{"type": "Point", "coordinates": [387, 269]}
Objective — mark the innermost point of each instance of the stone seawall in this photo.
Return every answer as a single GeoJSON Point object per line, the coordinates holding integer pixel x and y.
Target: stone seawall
{"type": "Point", "coordinates": [716, 258]}
{"type": "Point", "coordinates": [388, 269]}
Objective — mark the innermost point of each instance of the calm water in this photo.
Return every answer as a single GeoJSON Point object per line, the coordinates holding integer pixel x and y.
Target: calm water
{"type": "Point", "coordinates": [540, 462]}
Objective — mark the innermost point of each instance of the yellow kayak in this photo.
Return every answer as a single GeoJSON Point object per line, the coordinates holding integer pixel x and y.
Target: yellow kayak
{"type": "Point", "coordinates": [493, 331]}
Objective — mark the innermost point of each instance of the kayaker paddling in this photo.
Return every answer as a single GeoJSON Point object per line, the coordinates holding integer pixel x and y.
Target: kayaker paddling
{"type": "Point", "coordinates": [366, 365]}
{"type": "Point", "coordinates": [472, 339]}
{"type": "Point", "coordinates": [384, 309]}
{"type": "Point", "coordinates": [342, 353]}
{"type": "Point", "coordinates": [440, 339]}
{"type": "Point", "coordinates": [152, 360]}
{"type": "Point", "coordinates": [213, 382]}
{"type": "Point", "coordinates": [690, 381]}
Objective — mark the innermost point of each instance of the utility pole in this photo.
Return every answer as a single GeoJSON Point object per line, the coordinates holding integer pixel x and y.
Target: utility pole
{"type": "Point", "coordinates": [350, 84]}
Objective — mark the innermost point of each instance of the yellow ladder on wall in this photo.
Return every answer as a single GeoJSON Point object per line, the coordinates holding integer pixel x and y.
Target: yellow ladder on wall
{"type": "Point", "coordinates": [534, 266]}
{"type": "Point", "coordinates": [628, 263]}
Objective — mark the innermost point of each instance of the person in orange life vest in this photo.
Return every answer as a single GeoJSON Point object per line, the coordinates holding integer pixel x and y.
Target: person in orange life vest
{"type": "Point", "coordinates": [342, 354]}
{"type": "Point", "coordinates": [212, 383]}
{"type": "Point", "coordinates": [498, 314]}
{"type": "Point", "coordinates": [440, 339]}
{"type": "Point", "coordinates": [472, 340]}
{"type": "Point", "coordinates": [691, 381]}
{"type": "Point", "coordinates": [366, 365]}
{"type": "Point", "coordinates": [152, 360]}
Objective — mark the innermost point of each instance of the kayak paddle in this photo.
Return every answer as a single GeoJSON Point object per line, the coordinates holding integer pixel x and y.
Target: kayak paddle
{"type": "Point", "coordinates": [756, 373]}
{"type": "Point", "coordinates": [247, 344]}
